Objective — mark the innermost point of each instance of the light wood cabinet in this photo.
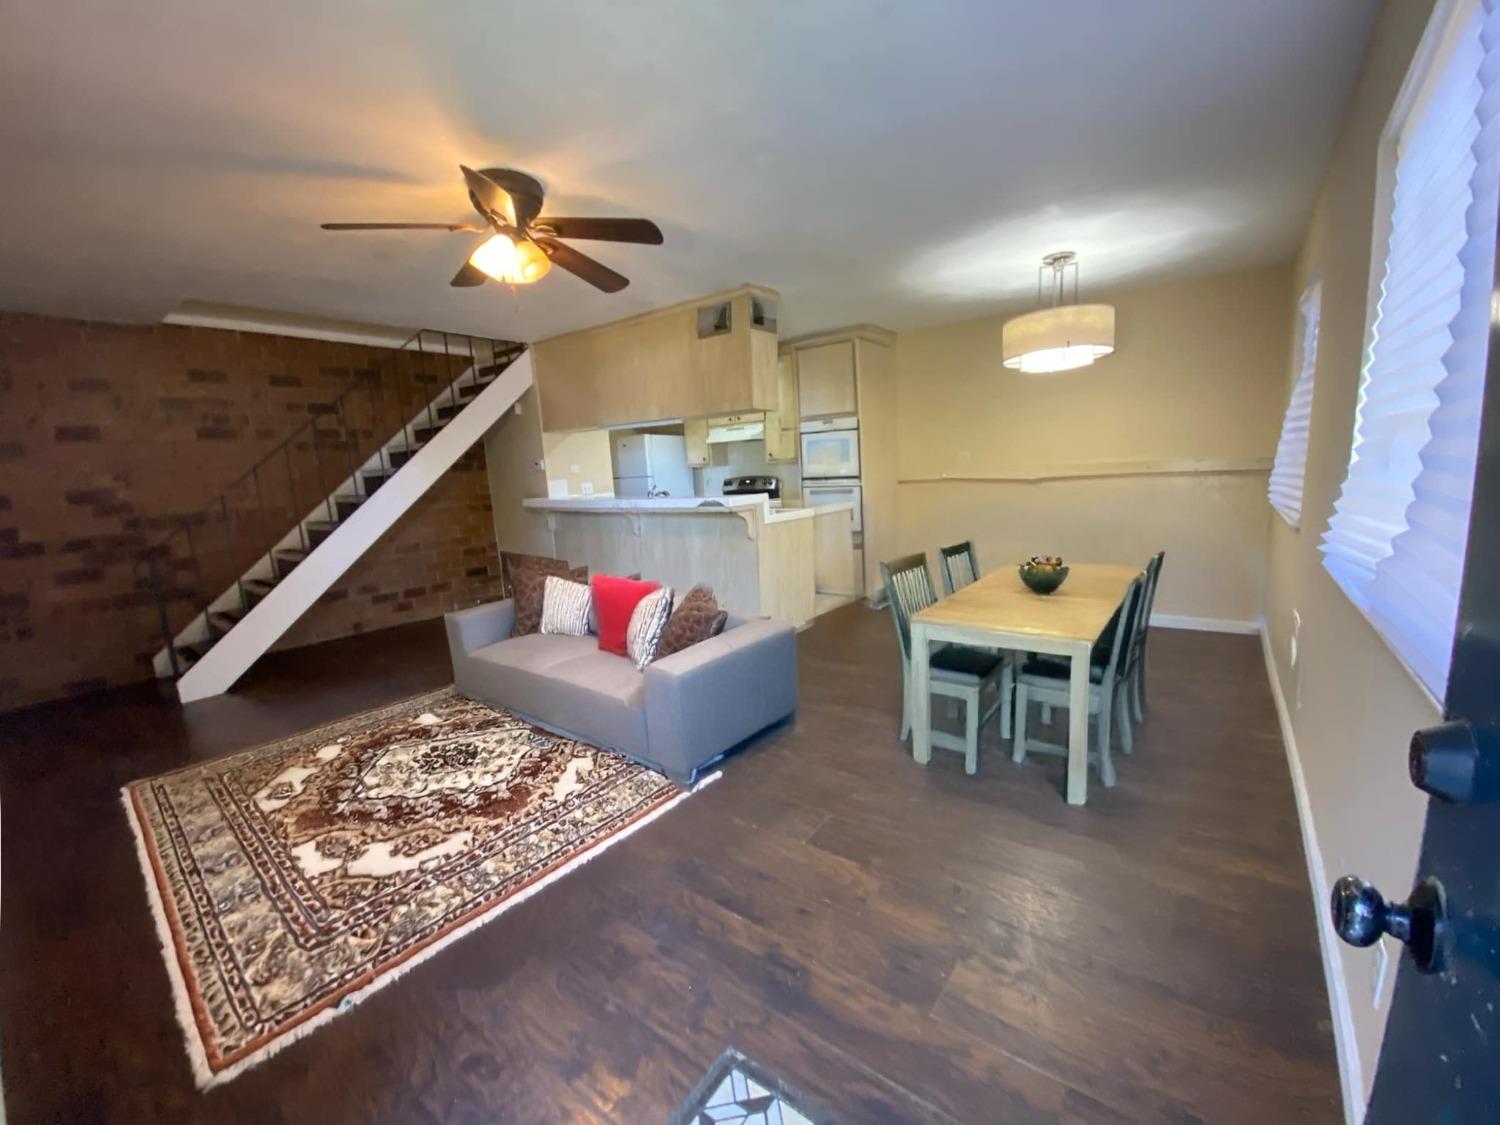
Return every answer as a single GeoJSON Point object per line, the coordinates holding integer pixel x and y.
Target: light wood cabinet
{"type": "Point", "coordinates": [825, 379]}
{"type": "Point", "coordinates": [695, 432]}
{"type": "Point", "coordinates": [712, 355]}
{"type": "Point", "coordinates": [781, 424]}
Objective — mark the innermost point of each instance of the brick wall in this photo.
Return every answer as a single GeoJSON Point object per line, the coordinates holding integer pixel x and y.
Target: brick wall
{"type": "Point", "coordinates": [440, 555]}
{"type": "Point", "coordinates": [111, 435]}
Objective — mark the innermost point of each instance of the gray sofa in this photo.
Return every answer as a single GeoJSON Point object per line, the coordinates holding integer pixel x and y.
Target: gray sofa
{"type": "Point", "coordinates": [678, 715]}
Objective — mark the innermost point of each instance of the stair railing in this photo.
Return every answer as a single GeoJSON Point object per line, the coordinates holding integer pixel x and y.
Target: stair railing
{"type": "Point", "coordinates": [394, 405]}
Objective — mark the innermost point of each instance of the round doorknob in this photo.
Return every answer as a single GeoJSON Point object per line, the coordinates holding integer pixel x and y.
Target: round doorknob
{"type": "Point", "coordinates": [1361, 915]}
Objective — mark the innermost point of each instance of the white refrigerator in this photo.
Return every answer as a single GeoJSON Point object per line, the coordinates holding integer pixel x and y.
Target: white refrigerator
{"type": "Point", "coordinates": [651, 464]}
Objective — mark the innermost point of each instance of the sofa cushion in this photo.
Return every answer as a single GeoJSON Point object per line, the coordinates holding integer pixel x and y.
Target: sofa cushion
{"type": "Point", "coordinates": [695, 618]}
{"type": "Point", "coordinates": [647, 621]}
{"type": "Point", "coordinates": [528, 580]}
{"type": "Point", "coordinates": [565, 683]}
{"type": "Point", "coordinates": [614, 601]}
{"type": "Point", "coordinates": [565, 607]}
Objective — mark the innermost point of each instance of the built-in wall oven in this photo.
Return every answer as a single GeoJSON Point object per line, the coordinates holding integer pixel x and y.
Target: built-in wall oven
{"type": "Point", "coordinates": [830, 448]}
{"type": "Point", "coordinates": [818, 493]}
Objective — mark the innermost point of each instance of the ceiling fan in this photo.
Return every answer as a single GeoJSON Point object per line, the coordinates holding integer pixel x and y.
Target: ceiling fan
{"type": "Point", "coordinates": [524, 244]}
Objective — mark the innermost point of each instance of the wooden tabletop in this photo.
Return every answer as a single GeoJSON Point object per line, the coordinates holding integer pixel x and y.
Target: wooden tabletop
{"type": "Point", "coordinates": [1078, 611]}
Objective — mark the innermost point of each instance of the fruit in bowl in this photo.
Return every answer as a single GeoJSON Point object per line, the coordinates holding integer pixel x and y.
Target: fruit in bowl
{"type": "Point", "coordinates": [1043, 573]}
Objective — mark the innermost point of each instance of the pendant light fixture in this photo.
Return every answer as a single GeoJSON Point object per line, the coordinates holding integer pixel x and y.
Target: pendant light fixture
{"type": "Point", "coordinates": [1063, 335]}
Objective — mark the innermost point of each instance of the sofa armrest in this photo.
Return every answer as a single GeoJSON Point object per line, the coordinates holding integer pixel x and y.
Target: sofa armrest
{"type": "Point", "coordinates": [470, 629]}
{"type": "Point", "coordinates": [708, 697]}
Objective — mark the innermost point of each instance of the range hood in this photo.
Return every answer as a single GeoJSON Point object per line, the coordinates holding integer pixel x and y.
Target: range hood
{"type": "Point", "coordinates": [738, 431]}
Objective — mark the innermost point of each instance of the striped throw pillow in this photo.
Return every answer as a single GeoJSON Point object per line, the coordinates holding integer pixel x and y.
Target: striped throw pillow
{"type": "Point", "coordinates": [647, 623]}
{"type": "Point", "coordinates": [565, 607]}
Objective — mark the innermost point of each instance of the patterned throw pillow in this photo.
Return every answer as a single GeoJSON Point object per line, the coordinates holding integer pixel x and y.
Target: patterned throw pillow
{"type": "Point", "coordinates": [565, 607]}
{"type": "Point", "coordinates": [647, 621]}
{"type": "Point", "coordinates": [696, 618]}
{"type": "Point", "coordinates": [528, 584]}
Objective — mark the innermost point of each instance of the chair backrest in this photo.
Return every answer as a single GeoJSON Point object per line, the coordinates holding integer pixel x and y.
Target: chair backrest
{"type": "Point", "coordinates": [960, 565]}
{"type": "Point", "coordinates": [1148, 600]}
{"type": "Point", "coordinates": [1153, 576]}
{"type": "Point", "coordinates": [908, 587]}
{"type": "Point", "coordinates": [1124, 638]}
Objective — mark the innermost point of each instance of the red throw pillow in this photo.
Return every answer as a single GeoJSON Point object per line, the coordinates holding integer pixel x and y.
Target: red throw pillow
{"type": "Point", "coordinates": [614, 601]}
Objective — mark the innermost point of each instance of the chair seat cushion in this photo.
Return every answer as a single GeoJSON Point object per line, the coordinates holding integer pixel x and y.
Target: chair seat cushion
{"type": "Point", "coordinates": [1046, 667]}
{"type": "Point", "coordinates": [960, 662]}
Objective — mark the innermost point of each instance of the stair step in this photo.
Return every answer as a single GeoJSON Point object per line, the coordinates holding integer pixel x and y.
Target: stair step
{"type": "Point", "coordinates": [257, 588]}
{"type": "Point", "coordinates": [374, 481]}
{"type": "Point", "coordinates": [347, 505]}
{"type": "Point", "coordinates": [319, 530]}
{"type": "Point", "coordinates": [220, 621]}
{"type": "Point", "coordinates": [285, 561]}
{"type": "Point", "coordinates": [191, 654]}
{"type": "Point", "coordinates": [449, 412]}
{"type": "Point", "coordinates": [426, 434]}
{"type": "Point", "coordinates": [399, 457]}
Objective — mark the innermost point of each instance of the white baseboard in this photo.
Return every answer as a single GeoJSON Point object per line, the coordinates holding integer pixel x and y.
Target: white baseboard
{"type": "Point", "coordinates": [1204, 624]}
{"type": "Point", "coordinates": [1351, 1074]}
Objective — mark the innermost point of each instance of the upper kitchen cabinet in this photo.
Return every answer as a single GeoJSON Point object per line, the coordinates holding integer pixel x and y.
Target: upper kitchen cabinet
{"type": "Point", "coordinates": [695, 438]}
{"type": "Point", "coordinates": [825, 379]}
{"type": "Point", "coordinates": [781, 424]}
{"type": "Point", "coordinates": [713, 355]}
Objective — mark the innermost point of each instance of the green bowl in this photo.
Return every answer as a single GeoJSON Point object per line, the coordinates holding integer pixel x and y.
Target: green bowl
{"type": "Point", "coordinates": [1042, 579]}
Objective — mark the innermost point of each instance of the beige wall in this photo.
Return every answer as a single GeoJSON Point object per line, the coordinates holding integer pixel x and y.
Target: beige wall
{"type": "Point", "coordinates": [511, 449]}
{"type": "Point", "coordinates": [1353, 706]}
{"type": "Point", "coordinates": [1198, 376]}
{"type": "Point", "coordinates": [581, 457]}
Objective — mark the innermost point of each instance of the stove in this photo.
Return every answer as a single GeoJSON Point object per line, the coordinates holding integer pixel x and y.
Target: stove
{"type": "Point", "coordinates": [749, 486]}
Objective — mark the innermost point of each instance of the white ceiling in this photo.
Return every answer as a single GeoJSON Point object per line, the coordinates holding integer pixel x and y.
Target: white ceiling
{"type": "Point", "coordinates": [897, 162]}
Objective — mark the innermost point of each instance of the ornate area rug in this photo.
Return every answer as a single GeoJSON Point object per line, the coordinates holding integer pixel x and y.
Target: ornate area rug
{"type": "Point", "coordinates": [291, 880]}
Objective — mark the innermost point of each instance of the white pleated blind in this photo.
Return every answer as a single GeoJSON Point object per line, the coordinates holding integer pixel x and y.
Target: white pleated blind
{"type": "Point", "coordinates": [1396, 540]}
{"type": "Point", "coordinates": [1285, 489]}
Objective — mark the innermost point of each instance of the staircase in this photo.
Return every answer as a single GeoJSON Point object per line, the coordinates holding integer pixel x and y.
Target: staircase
{"type": "Point", "coordinates": [265, 558]}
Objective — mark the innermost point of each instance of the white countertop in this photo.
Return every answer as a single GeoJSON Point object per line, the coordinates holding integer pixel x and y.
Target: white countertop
{"type": "Point", "coordinates": [699, 505]}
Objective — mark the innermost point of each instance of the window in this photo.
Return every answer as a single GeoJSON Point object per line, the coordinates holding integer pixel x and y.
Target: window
{"type": "Point", "coordinates": [1396, 540]}
{"type": "Point", "coordinates": [1285, 489]}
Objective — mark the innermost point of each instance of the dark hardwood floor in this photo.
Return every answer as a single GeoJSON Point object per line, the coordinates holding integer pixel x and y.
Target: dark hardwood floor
{"type": "Point", "coordinates": [901, 943]}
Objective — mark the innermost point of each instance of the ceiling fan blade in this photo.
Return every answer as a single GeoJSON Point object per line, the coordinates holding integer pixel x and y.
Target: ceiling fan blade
{"type": "Point", "coordinates": [492, 198]}
{"type": "Point", "coordinates": [608, 230]}
{"type": "Point", "coordinates": [595, 273]}
{"type": "Point", "coordinates": [402, 226]}
{"type": "Point", "coordinates": [469, 274]}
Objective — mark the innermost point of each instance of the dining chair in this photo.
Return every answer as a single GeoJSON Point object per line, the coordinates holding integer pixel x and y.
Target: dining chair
{"type": "Point", "coordinates": [957, 672]}
{"type": "Point", "coordinates": [1046, 682]}
{"type": "Point", "coordinates": [960, 565]}
{"type": "Point", "coordinates": [1135, 670]}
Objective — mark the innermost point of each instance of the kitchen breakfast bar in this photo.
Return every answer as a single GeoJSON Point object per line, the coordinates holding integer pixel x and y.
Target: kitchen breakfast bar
{"type": "Point", "coordinates": [758, 559]}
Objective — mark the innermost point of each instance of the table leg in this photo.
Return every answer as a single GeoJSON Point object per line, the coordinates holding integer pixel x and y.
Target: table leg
{"type": "Point", "coordinates": [921, 695]}
{"type": "Point", "coordinates": [1078, 727]}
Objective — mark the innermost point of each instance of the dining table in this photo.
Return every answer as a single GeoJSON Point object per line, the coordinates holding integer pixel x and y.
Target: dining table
{"type": "Point", "coordinates": [999, 611]}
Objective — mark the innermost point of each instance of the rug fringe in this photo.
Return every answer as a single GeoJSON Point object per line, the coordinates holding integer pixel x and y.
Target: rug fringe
{"type": "Point", "coordinates": [205, 1078]}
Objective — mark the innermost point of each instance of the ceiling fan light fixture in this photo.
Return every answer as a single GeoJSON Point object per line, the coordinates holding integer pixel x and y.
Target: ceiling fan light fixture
{"type": "Point", "coordinates": [532, 262]}
{"type": "Point", "coordinates": [496, 256]}
{"type": "Point", "coordinates": [515, 263]}
{"type": "Point", "coordinates": [1060, 338]}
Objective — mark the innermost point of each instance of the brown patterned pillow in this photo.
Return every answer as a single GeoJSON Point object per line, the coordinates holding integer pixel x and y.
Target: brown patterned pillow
{"type": "Point", "coordinates": [528, 584]}
{"type": "Point", "coordinates": [696, 618]}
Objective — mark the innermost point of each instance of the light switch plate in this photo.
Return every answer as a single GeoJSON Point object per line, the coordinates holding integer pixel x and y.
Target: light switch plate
{"type": "Point", "coordinates": [587, 488]}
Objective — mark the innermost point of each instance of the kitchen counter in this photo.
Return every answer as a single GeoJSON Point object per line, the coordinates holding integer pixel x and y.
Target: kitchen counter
{"type": "Point", "coordinates": [697, 505]}
{"type": "Point", "coordinates": [757, 559]}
